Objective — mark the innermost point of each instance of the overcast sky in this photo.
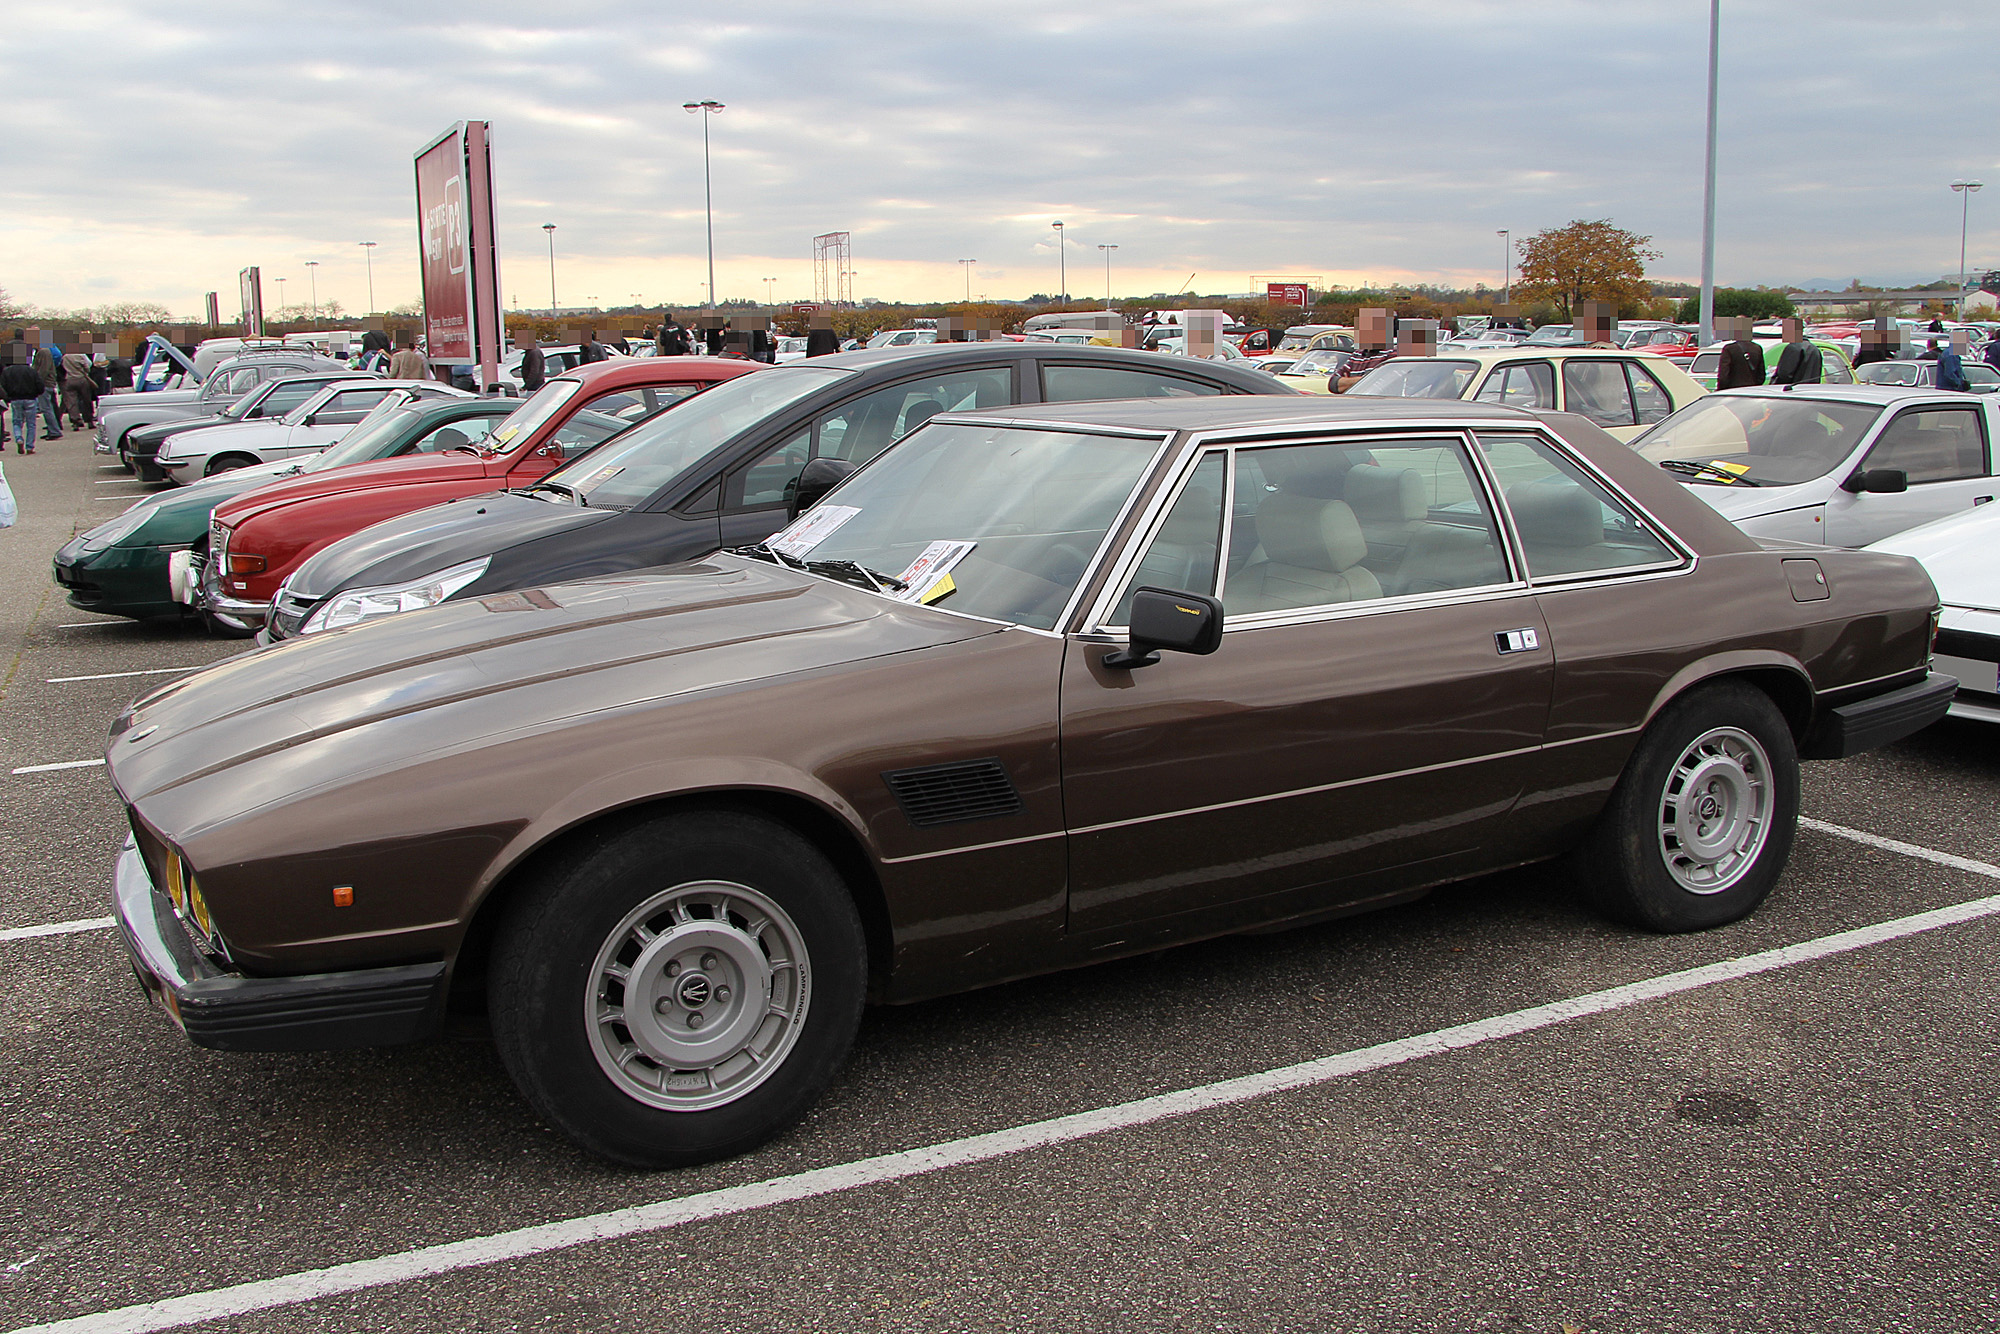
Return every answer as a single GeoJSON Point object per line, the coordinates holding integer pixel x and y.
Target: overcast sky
{"type": "Point", "coordinates": [153, 150]}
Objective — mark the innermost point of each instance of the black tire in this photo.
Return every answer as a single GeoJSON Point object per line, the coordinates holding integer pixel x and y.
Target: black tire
{"type": "Point", "coordinates": [125, 456]}
{"type": "Point", "coordinates": [592, 1080]}
{"type": "Point", "coordinates": [1646, 863]}
{"type": "Point", "coordinates": [227, 463]}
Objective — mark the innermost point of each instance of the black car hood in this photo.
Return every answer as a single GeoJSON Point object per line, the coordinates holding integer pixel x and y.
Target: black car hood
{"type": "Point", "coordinates": [424, 541]}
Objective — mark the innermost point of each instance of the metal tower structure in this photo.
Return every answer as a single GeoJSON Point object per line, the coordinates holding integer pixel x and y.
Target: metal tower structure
{"type": "Point", "coordinates": [833, 270]}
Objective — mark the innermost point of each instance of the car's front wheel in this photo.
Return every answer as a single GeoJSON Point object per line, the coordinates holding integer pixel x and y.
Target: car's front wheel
{"type": "Point", "coordinates": [680, 989]}
{"type": "Point", "coordinates": [227, 463]}
{"type": "Point", "coordinates": [1702, 820]}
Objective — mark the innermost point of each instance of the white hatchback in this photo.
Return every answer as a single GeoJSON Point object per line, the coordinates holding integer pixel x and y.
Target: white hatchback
{"type": "Point", "coordinates": [1838, 465]}
{"type": "Point", "coordinates": [306, 429]}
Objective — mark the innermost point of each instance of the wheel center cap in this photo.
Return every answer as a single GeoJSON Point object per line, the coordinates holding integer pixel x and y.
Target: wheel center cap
{"type": "Point", "coordinates": [1709, 807]}
{"type": "Point", "coordinates": [694, 990]}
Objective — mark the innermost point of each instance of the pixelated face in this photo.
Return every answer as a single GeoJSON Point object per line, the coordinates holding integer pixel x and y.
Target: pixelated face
{"type": "Point", "coordinates": [1597, 321]}
{"type": "Point", "coordinates": [819, 320]}
{"type": "Point", "coordinates": [1793, 330]}
{"type": "Point", "coordinates": [1506, 311]}
{"type": "Point", "coordinates": [1960, 340]}
{"type": "Point", "coordinates": [1417, 338]}
{"type": "Point", "coordinates": [1372, 326]}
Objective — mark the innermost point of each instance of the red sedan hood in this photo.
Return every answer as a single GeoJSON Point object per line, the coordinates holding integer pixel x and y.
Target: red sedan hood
{"type": "Point", "coordinates": [361, 477]}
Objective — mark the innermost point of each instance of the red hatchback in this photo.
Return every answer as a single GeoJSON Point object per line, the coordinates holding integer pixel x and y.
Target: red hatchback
{"type": "Point", "coordinates": [260, 537]}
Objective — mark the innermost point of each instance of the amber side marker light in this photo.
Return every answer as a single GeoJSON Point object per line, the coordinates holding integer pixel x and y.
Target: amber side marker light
{"type": "Point", "coordinates": [343, 896]}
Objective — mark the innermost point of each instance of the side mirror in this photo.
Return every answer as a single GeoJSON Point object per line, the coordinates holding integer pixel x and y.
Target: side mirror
{"type": "Point", "coordinates": [1163, 619]}
{"type": "Point", "coordinates": [1881, 481]}
{"type": "Point", "coordinates": [817, 478]}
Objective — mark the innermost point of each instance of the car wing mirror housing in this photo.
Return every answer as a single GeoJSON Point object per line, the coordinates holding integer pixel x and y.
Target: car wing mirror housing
{"type": "Point", "coordinates": [818, 477]}
{"type": "Point", "coordinates": [1165, 620]}
{"type": "Point", "coordinates": [1880, 481]}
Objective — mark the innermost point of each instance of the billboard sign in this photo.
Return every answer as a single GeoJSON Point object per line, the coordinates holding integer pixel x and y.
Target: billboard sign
{"type": "Point", "coordinates": [251, 283]}
{"type": "Point", "coordinates": [214, 309]}
{"type": "Point", "coordinates": [1287, 294]}
{"type": "Point", "coordinates": [457, 256]}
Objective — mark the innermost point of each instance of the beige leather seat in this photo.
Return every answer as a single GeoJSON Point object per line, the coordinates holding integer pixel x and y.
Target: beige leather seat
{"type": "Point", "coordinates": [1311, 555]}
{"type": "Point", "coordinates": [1388, 503]}
{"type": "Point", "coordinates": [1443, 556]}
{"type": "Point", "coordinates": [1562, 529]}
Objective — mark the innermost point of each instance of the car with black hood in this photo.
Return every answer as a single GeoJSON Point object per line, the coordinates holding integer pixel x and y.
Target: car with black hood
{"type": "Point", "coordinates": [726, 469]}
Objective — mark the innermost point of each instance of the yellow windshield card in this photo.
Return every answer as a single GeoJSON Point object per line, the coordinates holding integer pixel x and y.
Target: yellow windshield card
{"type": "Point", "coordinates": [1738, 468]}
{"type": "Point", "coordinates": [943, 586]}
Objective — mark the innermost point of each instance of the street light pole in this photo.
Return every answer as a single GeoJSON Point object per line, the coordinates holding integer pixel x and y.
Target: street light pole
{"type": "Point", "coordinates": [1965, 191]}
{"type": "Point", "coordinates": [770, 292]}
{"type": "Point", "coordinates": [312, 272]}
{"type": "Point", "coordinates": [1708, 186]}
{"type": "Point", "coordinates": [549, 230]}
{"type": "Point", "coordinates": [368, 252]}
{"type": "Point", "coordinates": [281, 298]}
{"type": "Point", "coordinates": [1107, 249]}
{"type": "Point", "coordinates": [965, 267]}
{"type": "Point", "coordinates": [1062, 273]}
{"type": "Point", "coordinates": [707, 109]}
{"type": "Point", "coordinates": [1506, 268]}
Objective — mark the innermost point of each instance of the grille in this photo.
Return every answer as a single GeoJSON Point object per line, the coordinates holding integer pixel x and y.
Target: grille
{"type": "Point", "coordinates": [951, 793]}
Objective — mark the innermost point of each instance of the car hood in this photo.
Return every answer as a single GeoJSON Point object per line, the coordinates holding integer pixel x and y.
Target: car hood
{"type": "Point", "coordinates": [1958, 553]}
{"type": "Point", "coordinates": [385, 693]}
{"type": "Point", "coordinates": [151, 410]}
{"type": "Point", "coordinates": [1740, 503]}
{"type": "Point", "coordinates": [360, 476]}
{"type": "Point", "coordinates": [427, 540]}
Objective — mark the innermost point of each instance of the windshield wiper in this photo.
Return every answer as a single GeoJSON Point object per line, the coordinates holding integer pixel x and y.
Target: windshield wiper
{"type": "Point", "coordinates": [765, 551]}
{"type": "Point", "coordinates": [563, 489]}
{"type": "Point", "coordinates": [859, 575]}
{"type": "Point", "coordinates": [1689, 468]}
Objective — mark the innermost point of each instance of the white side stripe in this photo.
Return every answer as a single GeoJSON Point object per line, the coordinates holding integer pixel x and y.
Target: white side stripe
{"type": "Point", "coordinates": [112, 676]}
{"type": "Point", "coordinates": [55, 928]}
{"type": "Point", "coordinates": [426, 1261]}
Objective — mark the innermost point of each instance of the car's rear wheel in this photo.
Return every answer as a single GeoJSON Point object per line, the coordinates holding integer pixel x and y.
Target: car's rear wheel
{"type": "Point", "coordinates": [1701, 823]}
{"type": "Point", "coordinates": [680, 990]}
{"type": "Point", "coordinates": [227, 463]}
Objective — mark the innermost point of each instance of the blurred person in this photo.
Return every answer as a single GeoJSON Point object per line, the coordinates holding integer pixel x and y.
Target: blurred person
{"type": "Point", "coordinates": [673, 339]}
{"type": "Point", "coordinates": [50, 401]}
{"type": "Point", "coordinates": [23, 388]}
{"type": "Point", "coordinates": [588, 349]}
{"type": "Point", "coordinates": [79, 394]}
{"type": "Point", "coordinates": [1877, 344]}
{"type": "Point", "coordinates": [1800, 362]}
{"type": "Point", "coordinates": [1742, 362]}
{"type": "Point", "coordinates": [409, 364]}
{"type": "Point", "coordinates": [822, 340]}
{"type": "Point", "coordinates": [1930, 352]}
{"type": "Point", "coordinates": [1936, 325]}
{"type": "Point", "coordinates": [1991, 355]}
{"type": "Point", "coordinates": [1951, 366]}
{"type": "Point", "coordinates": [534, 372]}
{"type": "Point", "coordinates": [374, 352]}
{"type": "Point", "coordinates": [100, 378]}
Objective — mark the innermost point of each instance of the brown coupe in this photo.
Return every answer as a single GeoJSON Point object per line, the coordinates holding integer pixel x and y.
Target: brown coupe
{"type": "Point", "coordinates": [1037, 687]}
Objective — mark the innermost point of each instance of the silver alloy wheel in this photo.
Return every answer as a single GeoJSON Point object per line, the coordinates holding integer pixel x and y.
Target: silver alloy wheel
{"type": "Point", "coordinates": [698, 995]}
{"type": "Point", "coordinates": [1715, 812]}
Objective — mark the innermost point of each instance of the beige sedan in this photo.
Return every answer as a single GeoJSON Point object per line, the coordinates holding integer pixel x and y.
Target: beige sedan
{"type": "Point", "coordinates": [1623, 392]}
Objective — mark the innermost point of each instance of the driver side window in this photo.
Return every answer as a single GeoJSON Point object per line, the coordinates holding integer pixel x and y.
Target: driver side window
{"type": "Point", "coordinates": [1939, 445]}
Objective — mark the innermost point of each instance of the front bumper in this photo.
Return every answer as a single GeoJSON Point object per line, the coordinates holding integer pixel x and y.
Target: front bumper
{"type": "Point", "coordinates": [229, 1011]}
{"type": "Point", "coordinates": [1866, 724]}
{"type": "Point", "coordinates": [1968, 647]}
{"type": "Point", "coordinates": [118, 581]}
{"type": "Point", "coordinates": [193, 573]}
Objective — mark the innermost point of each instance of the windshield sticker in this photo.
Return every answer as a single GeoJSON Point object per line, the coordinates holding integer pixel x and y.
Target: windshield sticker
{"type": "Point", "coordinates": [938, 590]}
{"type": "Point", "coordinates": [1738, 468]}
{"type": "Point", "coordinates": [811, 529]}
{"type": "Point", "coordinates": [601, 476]}
{"type": "Point", "coordinates": [931, 567]}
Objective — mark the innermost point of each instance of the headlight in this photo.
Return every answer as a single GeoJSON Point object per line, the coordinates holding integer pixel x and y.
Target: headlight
{"type": "Point", "coordinates": [365, 604]}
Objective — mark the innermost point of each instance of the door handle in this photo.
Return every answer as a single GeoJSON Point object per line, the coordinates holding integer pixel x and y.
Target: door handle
{"type": "Point", "coordinates": [1517, 641]}
{"type": "Point", "coordinates": [1982, 500]}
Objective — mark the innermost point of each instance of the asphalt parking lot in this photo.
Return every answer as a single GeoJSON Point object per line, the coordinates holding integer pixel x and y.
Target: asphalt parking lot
{"type": "Point", "coordinates": [1801, 1136]}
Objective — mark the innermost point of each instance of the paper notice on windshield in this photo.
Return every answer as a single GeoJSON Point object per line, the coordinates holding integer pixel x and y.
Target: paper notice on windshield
{"type": "Point", "coordinates": [811, 529]}
{"type": "Point", "coordinates": [1738, 468]}
{"type": "Point", "coordinates": [934, 564]}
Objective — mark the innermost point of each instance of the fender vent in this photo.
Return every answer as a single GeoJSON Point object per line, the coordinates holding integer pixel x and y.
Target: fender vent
{"type": "Point", "coordinates": [950, 793]}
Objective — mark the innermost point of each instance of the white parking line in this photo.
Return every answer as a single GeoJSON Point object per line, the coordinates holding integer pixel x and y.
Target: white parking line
{"type": "Point", "coordinates": [361, 1275]}
{"type": "Point", "coordinates": [112, 676]}
{"type": "Point", "coordinates": [78, 625]}
{"type": "Point", "coordinates": [55, 928]}
{"type": "Point", "coordinates": [50, 768]}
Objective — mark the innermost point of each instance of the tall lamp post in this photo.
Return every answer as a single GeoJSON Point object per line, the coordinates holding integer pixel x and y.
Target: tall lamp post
{"type": "Point", "coordinates": [1708, 183]}
{"type": "Point", "coordinates": [368, 252]}
{"type": "Point", "coordinates": [312, 273]}
{"type": "Point", "coordinates": [549, 230]}
{"type": "Point", "coordinates": [1062, 273]}
{"type": "Point", "coordinates": [1965, 191]}
{"type": "Point", "coordinates": [281, 298]}
{"type": "Point", "coordinates": [770, 291]}
{"type": "Point", "coordinates": [1107, 249]}
{"type": "Point", "coordinates": [707, 109]}
{"type": "Point", "coordinates": [965, 267]}
{"type": "Point", "coordinates": [1506, 268]}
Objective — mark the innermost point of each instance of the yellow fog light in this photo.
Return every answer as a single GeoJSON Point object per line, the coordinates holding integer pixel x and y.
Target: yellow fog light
{"type": "Point", "coordinates": [176, 889]}
{"type": "Point", "coordinates": [199, 907]}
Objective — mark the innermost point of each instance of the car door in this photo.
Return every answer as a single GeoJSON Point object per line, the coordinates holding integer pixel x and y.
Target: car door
{"type": "Point", "coordinates": [1945, 451]}
{"type": "Point", "coordinates": [330, 420]}
{"type": "Point", "coordinates": [1364, 728]}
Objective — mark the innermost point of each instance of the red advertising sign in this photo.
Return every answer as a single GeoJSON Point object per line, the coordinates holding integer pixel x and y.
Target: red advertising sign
{"type": "Point", "coordinates": [459, 262]}
{"type": "Point", "coordinates": [807, 307]}
{"type": "Point", "coordinates": [1286, 294]}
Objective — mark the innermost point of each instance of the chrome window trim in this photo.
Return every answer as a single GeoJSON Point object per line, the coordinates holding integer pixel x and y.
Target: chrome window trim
{"type": "Point", "coordinates": [1164, 498]}
{"type": "Point", "coordinates": [1666, 535]}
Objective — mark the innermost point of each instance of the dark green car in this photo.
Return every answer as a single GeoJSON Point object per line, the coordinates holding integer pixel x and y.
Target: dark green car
{"type": "Point", "coordinates": [121, 568]}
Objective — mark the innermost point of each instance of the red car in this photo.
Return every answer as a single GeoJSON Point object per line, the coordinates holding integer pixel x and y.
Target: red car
{"type": "Point", "coordinates": [260, 537]}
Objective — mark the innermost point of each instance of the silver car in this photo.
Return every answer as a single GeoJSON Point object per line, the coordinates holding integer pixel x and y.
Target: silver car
{"type": "Point", "coordinates": [232, 380]}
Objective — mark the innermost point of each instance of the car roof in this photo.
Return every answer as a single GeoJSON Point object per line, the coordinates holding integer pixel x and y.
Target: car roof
{"type": "Point", "coordinates": [1246, 411]}
{"type": "Point", "coordinates": [866, 358]}
{"type": "Point", "coordinates": [1853, 393]}
{"type": "Point", "coordinates": [649, 370]}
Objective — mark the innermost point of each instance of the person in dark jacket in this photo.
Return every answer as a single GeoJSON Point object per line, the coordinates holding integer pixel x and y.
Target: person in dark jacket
{"type": "Point", "coordinates": [533, 365]}
{"type": "Point", "coordinates": [588, 349]}
{"type": "Point", "coordinates": [673, 340]}
{"type": "Point", "coordinates": [1800, 362]}
{"type": "Point", "coordinates": [51, 400]}
{"type": "Point", "coordinates": [23, 388]}
{"type": "Point", "coordinates": [1742, 361]}
{"type": "Point", "coordinates": [1936, 325]}
{"type": "Point", "coordinates": [1992, 353]}
{"type": "Point", "coordinates": [820, 337]}
{"type": "Point", "coordinates": [1878, 343]}
{"type": "Point", "coordinates": [1951, 366]}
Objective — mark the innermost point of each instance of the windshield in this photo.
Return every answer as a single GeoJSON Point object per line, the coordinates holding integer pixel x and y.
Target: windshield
{"type": "Point", "coordinates": [995, 521]}
{"type": "Point", "coordinates": [364, 442]}
{"type": "Point", "coordinates": [298, 415]}
{"type": "Point", "coordinates": [1891, 372]}
{"type": "Point", "coordinates": [1552, 333]}
{"type": "Point", "coordinates": [1417, 377]}
{"type": "Point", "coordinates": [1321, 356]}
{"type": "Point", "coordinates": [1771, 441]}
{"type": "Point", "coordinates": [661, 448]}
{"type": "Point", "coordinates": [533, 413]}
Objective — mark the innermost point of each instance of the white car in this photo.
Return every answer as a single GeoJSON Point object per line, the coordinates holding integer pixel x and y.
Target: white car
{"type": "Point", "coordinates": [1837, 465]}
{"type": "Point", "coordinates": [306, 429]}
{"type": "Point", "coordinates": [1962, 556]}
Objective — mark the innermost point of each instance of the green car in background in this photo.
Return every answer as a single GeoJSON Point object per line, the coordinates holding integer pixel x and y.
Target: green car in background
{"type": "Point", "coordinates": [1834, 367]}
{"type": "Point", "coordinates": [120, 568]}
